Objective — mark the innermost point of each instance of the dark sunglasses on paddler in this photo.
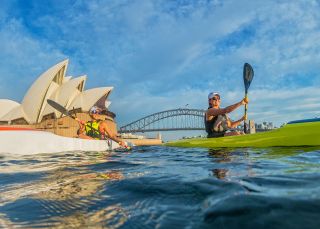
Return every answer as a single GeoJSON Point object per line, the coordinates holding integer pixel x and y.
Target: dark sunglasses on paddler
{"type": "Point", "coordinates": [95, 112]}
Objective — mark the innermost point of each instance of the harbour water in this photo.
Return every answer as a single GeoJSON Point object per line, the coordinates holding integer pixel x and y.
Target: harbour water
{"type": "Point", "coordinates": [162, 187]}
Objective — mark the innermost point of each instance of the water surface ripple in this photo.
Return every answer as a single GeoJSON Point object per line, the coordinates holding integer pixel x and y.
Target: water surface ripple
{"type": "Point", "coordinates": [162, 187]}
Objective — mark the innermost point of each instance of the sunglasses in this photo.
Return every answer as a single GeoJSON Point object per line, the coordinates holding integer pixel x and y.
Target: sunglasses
{"type": "Point", "coordinates": [95, 112]}
{"type": "Point", "coordinates": [214, 98]}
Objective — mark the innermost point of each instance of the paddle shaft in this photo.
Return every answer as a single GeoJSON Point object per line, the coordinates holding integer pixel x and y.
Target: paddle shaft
{"type": "Point", "coordinates": [245, 114]}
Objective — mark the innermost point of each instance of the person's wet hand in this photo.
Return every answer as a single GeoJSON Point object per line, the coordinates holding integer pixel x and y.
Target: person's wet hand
{"type": "Point", "coordinates": [123, 144]}
{"type": "Point", "coordinates": [245, 117]}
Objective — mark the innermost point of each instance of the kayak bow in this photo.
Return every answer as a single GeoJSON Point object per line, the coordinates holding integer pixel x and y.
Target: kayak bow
{"type": "Point", "coordinates": [23, 141]}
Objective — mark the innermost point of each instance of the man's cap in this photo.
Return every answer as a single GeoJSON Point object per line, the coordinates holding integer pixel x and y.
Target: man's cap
{"type": "Point", "coordinates": [213, 94]}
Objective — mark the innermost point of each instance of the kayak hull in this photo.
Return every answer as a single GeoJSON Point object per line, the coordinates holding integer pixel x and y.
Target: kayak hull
{"type": "Point", "coordinates": [26, 142]}
{"type": "Point", "coordinates": [297, 134]}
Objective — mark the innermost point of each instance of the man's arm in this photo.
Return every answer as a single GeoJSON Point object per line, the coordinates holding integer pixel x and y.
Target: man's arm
{"type": "Point", "coordinates": [112, 134]}
{"type": "Point", "coordinates": [226, 110]}
{"type": "Point", "coordinates": [235, 123]}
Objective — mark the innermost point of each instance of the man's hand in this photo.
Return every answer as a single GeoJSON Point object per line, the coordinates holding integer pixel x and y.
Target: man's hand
{"type": "Point", "coordinates": [244, 118]}
{"type": "Point", "coordinates": [244, 101]}
{"type": "Point", "coordinates": [81, 123]}
{"type": "Point", "coordinates": [123, 144]}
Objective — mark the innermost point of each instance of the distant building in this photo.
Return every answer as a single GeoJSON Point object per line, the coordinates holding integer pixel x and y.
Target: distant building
{"type": "Point", "coordinates": [52, 84]}
{"type": "Point", "coordinates": [131, 136]}
{"type": "Point", "coordinates": [264, 126]}
{"type": "Point", "coordinates": [159, 136]}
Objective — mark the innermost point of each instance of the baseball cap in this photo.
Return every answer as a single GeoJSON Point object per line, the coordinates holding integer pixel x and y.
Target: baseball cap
{"type": "Point", "coordinates": [213, 94]}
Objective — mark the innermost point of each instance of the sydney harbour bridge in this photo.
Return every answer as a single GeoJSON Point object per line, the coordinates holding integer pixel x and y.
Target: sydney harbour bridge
{"type": "Point", "coordinates": [170, 120]}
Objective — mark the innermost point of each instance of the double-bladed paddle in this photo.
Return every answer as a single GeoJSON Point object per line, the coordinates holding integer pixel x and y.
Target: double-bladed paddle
{"type": "Point", "coordinates": [247, 78]}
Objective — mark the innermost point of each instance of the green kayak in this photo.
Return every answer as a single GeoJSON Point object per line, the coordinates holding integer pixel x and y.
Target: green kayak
{"type": "Point", "coordinates": [296, 133]}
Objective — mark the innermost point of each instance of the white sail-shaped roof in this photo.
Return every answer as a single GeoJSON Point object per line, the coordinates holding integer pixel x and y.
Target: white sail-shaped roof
{"type": "Point", "coordinates": [53, 84]}
{"type": "Point", "coordinates": [66, 79]}
{"type": "Point", "coordinates": [15, 113]}
{"type": "Point", "coordinates": [35, 99]}
{"type": "Point", "coordinates": [6, 105]}
{"type": "Point", "coordinates": [89, 98]}
{"type": "Point", "coordinates": [65, 94]}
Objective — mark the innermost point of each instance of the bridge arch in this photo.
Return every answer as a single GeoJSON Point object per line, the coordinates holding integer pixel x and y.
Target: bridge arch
{"type": "Point", "coordinates": [183, 119]}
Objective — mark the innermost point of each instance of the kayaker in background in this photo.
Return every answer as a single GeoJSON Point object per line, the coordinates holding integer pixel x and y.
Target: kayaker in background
{"type": "Point", "coordinates": [99, 128]}
{"type": "Point", "coordinates": [217, 123]}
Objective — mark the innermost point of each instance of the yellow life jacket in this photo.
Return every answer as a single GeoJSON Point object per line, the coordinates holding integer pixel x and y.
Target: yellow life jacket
{"type": "Point", "coordinates": [92, 129]}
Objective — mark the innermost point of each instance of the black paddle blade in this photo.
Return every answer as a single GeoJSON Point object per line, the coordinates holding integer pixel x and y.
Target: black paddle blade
{"type": "Point", "coordinates": [247, 76]}
{"type": "Point", "coordinates": [58, 107]}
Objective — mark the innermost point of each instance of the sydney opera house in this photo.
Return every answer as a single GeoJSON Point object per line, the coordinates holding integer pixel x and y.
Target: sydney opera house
{"type": "Point", "coordinates": [35, 112]}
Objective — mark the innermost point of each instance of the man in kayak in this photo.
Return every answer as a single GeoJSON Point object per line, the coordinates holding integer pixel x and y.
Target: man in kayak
{"type": "Point", "coordinates": [99, 128]}
{"type": "Point", "coordinates": [217, 123]}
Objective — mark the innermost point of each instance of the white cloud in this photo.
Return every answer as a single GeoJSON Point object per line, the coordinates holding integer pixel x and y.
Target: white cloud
{"type": "Point", "coordinates": [283, 105]}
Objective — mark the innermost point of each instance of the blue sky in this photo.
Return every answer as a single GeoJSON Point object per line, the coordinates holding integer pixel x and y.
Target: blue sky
{"type": "Point", "coordinates": [162, 55]}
